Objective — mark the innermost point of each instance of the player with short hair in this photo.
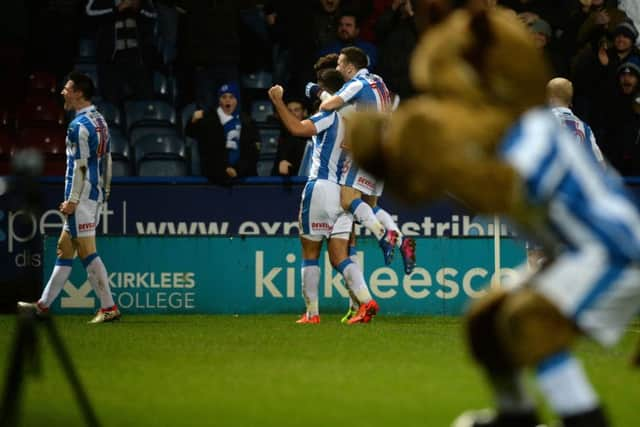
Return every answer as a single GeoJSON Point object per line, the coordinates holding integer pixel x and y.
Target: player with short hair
{"type": "Point", "coordinates": [321, 216]}
{"type": "Point", "coordinates": [87, 187]}
{"type": "Point", "coordinates": [559, 98]}
{"type": "Point", "coordinates": [360, 190]}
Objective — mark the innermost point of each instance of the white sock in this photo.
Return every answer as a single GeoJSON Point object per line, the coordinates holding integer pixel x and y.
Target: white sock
{"type": "Point", "coordinates": [97, 275]}
{"type": "Point", "coordinates": [310, 281]}
{"type": "Point", "coordinates": [388, 222]}
{"type": "Point", "coordinates": [58, 278]}
{"type": "Point", "coordinates": [564, 383]}
{"type": "Point", "coordinates": [354, 279]}
{"type": "Point", "coordinates": [363, 213]}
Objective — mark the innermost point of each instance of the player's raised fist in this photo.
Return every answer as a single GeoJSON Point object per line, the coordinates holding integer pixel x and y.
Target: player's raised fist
{"type": "Point", "coordinates": [276, 92]}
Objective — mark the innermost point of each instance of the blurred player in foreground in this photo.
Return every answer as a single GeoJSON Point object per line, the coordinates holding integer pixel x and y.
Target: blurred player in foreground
{"type": "Point", "coordinates": [481, 132]}
{"type": "Point", "coordinates": [321, 216]}
{"type": "Point", "coordinates": [87, 187]}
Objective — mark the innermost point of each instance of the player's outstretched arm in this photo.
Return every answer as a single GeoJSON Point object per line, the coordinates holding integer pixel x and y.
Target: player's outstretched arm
{"type": "Point", "coordinates": [303, 128]}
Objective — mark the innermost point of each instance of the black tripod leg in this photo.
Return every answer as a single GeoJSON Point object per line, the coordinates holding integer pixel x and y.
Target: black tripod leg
{"type": "Point", "coordinates": [67, 365]}
{"type": "Point", "coordinates": [25, 339]}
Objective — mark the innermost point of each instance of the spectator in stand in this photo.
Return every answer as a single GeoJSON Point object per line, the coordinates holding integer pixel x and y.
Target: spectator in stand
{"type": "Point", "coordinates": [290, 148]}
{"type": "Point", "coordinates": [348, 35]}
{"type": "Point", "coordinates": [543, 38]}
{"type": "Point", "coordinates": [228, 140]}
{"type": "Point", "coordinates": [632, 9]}
{"type": "Point", "coordinates": [208, 48]}
{"type": "Point", "coordinates": [555, 12]}
{"type": "Point", "coordinates": [596, 74]}
{"type": "Point", "coordinates": [622, 136]}
{"type": "Point", "coordinates": [325, 22]}
{"type": "Point", "coordinates": [293, 43]}
{"type": "Point", "coordinates": [124, 47]}
{"type": "Point", "coordinates": [369, 11]}
{"type": "Point", "coordinates": [397, 36]}
{"type": "Point", "coordinates": [601, 18]}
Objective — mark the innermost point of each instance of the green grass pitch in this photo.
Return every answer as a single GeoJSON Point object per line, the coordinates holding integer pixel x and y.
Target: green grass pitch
{"type": "Point", "coordinates": [266, 371]}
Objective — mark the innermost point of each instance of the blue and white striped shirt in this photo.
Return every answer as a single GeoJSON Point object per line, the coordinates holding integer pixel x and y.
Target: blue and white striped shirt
{"type": "Point", "coordinates": [366, 91]}
{"type": "Point", "coordinates": [328, 157]}
{"type": "Point", "coordinates": [579, 129]}
{"type": "Point", "coordinates": [585, 205]}
{"type": "Point", "coordinates": [87, 138]}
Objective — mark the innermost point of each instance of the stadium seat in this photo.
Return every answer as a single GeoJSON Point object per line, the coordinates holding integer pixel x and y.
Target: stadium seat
{"type": "Point", "coordinates": [265, 166]}
{"type": "Point", "coordinates": [90, 69]}
{"type": "Point", "coordinates": [41, 83]}
{"type": "Point", "coordinates": [7, 145]}
{"type": "Point", "coordinates": [51, 143]}
{"type": "Point", "coordinates": [159, 147]}
{"type": "Point", "coordinates": [39, 111]}
{"type": "Point", "coordinates": [121, 167]}
{"type": "Point", "coordinates": [186, 114]}
{"type": "Point", "coordinates": [164, 87]}
{"type": "Point", "coordinates": [139, 132]}
{"type": "Point", "coordinates": [194, 155]}
{"type": "Point", "coordinates": [262, 111]}
{"type": "Point", "coordinates": [110, 112]}
{"type": "Point", "coordinates": [268, 141]}
{"type": "Point", "coordinates": [86, 51]}
{"type": "Point", "coordinates": [257, 80]}
{"type": "Point", "coordinates": [6, 119]}
{"type": "Point", "coordinates": [305, 162]}
{"type": "Point", "coordinates": [149, 112]}
{"type": "Point", "coordinates": [119, 144]}
{"type": "Point", "coordinates": [47, 140]}
{"type": "Point", "coordinates": [162, 167]}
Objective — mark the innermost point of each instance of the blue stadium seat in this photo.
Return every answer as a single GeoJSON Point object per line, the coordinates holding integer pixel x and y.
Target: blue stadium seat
{"type": "Point", "coordinates": [121, 167]}
{"type": "Point", "coordinates": [262, 111]}
{"type": "Point", "coordinates": [119, 144]}
{"type": "Point", "coordinates": [164, 87]}
{"type": "Point", "coordinates": [159, 147]}
{"type": "Point", "coordinates": [257, 80]}
{"type": "Point", "coordinates": [162, 167]}
{"type": "Point", "coordinates": [186, 114]}
{"type": "Point", "coordinates": [194, 155]}
{"type": "Point", "coordinates": [140, 132]}
{"type": "Point", "coordinates": [86, 51]}
{"type": "Point", "coordinates": [149, 112]}
{"type": "Point", "coordinates": [110, 112]}
{"type": "Point", "coordinates": [265, 166]}
{"type": "Point", "coordinates": [268, 141]}
{"type": "Point", "coordinates": [305, 163]}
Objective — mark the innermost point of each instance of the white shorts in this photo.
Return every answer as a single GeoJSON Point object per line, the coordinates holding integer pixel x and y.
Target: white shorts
{"type": "Point", "coordinates": [320, 210]}
{"type": "Point", "coordinates": [83, 222]}
{"type": "Point", "coordinates": [361, 180]}
{"type": "Point", "coordinates": [599, 296]}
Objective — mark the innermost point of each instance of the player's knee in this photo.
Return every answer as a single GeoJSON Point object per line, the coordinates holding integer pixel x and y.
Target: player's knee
{"type": "Point", "coordinates": [531, 328]}
{"type": "Point", "coordinates": [65, 248]}
{"type": "Point", "coordinates": [480, 326]}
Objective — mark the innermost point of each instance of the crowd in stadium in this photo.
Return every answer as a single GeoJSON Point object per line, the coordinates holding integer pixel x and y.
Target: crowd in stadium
{"type": "Point", "coordinates": [162, 67]}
